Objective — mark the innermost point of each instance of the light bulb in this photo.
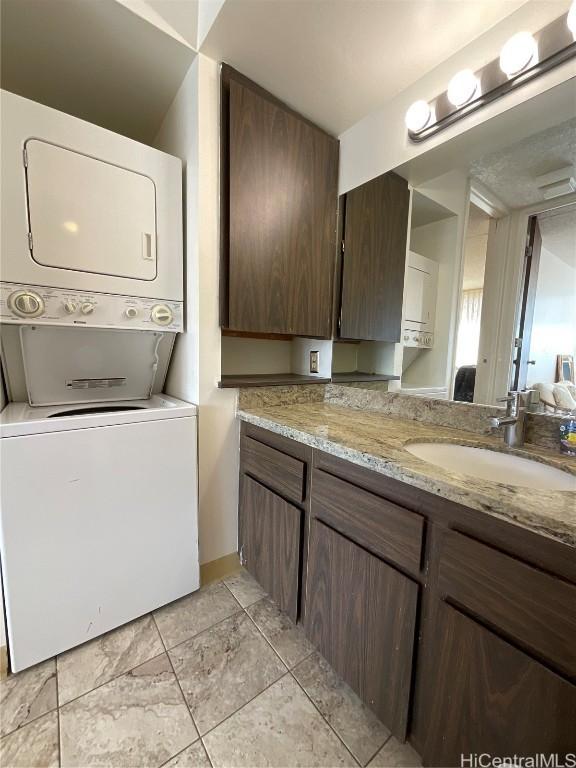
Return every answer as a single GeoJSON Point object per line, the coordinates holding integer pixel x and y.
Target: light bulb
{"type": "Point", "coordinates": [418, 116]}
{"type": "Point", "coordinates": [520, 51]}
{"type": "Point", "coordinates": [462, 87]}
{"type": "Point", "coordinates": [571, 20]}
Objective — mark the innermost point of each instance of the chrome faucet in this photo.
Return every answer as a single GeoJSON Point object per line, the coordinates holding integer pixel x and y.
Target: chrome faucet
{"type": "Point", "coordinates": [515, 419]}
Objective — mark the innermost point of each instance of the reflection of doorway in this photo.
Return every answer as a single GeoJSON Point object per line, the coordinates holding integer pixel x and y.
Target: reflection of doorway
{"type": "Point", "coordinates": [547, 313]}
{"type": "Point", "coordinates": [468, 339]}
{"type": "Point", "coordinates": [526, 314]}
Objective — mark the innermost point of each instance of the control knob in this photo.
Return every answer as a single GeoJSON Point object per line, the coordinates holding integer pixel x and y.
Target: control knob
{"type": "Point", "coordinates": [161, 314]}
{"type": "Point", "coordinates": [70, 307]}
{"type": "Point", "coordinates": [26, 303]}
{"type": "Point", "coordinates": [87, 308]}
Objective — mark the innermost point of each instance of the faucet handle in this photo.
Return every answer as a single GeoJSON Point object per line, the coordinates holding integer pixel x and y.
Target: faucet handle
{"type": "Point", "coordinates": [511, 397]}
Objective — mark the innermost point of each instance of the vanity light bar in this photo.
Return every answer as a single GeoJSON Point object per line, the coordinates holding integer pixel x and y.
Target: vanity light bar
{"type": "Point", "coordinates": [523, 57]}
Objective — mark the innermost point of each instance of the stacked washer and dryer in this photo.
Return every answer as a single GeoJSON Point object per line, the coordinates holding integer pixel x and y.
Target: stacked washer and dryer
{"type": "Point", "coordinates": [99, 469]}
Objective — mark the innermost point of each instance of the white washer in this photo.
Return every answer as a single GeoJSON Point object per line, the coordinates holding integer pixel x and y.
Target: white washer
{"type": "Point", "coordinates": [98, 518]}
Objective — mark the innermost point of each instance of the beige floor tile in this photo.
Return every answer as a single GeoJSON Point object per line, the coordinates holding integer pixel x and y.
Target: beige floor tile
{"type": "Point", "coordinates": [26, 695]}
{"type": "Point", "coordinates": [195, 613]}
{"type": "Point", "coordinates": [279, 728]}
{"type": "Point", "coordinates": [223, 668]}
{"type": "Point", "coordinates": [97, 662]}
{"type": "Point", "coordinates": [33, 746]}
{"type": "Point", "coordinates": [396, 755]}
{"type": "Point", "coordinates": [138, 719]}
{"type": "Point", "coordinates": [245, 588]}
{"type": "Point", "coordinates": [356, 725]}
{"type": "Point", "coordinates": [193, 757]}
{"type": "Point", "coordinates": [287, 639]}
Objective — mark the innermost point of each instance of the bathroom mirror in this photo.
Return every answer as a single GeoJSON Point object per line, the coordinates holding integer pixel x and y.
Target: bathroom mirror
{"type": "Point", "coordinates": [494, 213]}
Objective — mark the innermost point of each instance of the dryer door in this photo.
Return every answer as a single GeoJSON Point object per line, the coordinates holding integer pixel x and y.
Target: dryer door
{"type": "Point", "coordinates": [89, 215]}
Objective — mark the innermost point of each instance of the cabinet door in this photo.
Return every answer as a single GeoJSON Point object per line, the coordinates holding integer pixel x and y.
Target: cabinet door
{"type": "Point", "coordinates": [270, 543]}
{"type": "Point", "coordinates": [361, 615]}
{"type": "Point", "coordinates": [282, 218]}
{"type": "Point", "coordinates": [375, 232]}
{"type": "Point", "coordinates": [490, 697]}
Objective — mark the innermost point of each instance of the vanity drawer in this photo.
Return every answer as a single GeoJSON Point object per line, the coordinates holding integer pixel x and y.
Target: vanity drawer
{"type": "Point", "coordinates": [284, 474]}
{"type": "Point", "coordinates": [528, 605]}
{"type": "Point", "coordinates": [383, 528]}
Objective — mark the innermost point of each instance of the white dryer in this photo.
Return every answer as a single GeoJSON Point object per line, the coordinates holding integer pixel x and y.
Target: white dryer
{"type": "Point", "coordinates": [86, 209]}
{"type": "Point", "coordinates": [99, 518]}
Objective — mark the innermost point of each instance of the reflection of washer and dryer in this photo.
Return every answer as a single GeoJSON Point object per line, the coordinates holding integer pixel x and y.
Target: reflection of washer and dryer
{"type": "Point", "coordinates": [99, 479]}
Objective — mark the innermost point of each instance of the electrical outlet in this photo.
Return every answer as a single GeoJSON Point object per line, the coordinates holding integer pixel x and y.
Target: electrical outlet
{"type": "Point", "coordinates": [314, 361]}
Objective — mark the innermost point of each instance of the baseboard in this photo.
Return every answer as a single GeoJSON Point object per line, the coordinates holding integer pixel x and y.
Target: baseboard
{"type": "Point", "coordinates": [3, 662]}
{"type": "Point", "coordinates": [220, 568]}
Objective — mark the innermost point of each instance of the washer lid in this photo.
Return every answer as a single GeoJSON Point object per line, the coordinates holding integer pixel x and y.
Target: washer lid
{"type": "Point", "coordinates": [19, 419]}
{"type": "Point", "coordinates": [88, 365]}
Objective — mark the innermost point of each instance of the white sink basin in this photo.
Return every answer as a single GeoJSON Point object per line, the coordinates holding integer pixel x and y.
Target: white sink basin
{"type": "Point", "coordinates": [494, 466]}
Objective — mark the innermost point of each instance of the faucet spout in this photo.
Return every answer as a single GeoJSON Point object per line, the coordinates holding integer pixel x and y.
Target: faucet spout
{"type": "Point", "coordinates": [514, 419]}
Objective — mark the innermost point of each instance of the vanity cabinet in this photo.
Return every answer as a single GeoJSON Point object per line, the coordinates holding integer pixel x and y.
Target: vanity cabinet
{"type": "Point", "coordinates": [361, 616]}
{"type": "Point", "coordinates": [272, 510]}
{"type": "Point", "coordinates": [270, 530]}
{"type": "Point", "coordinates": [456, 628]}
{"type": "Point", "coordinates": [373, 259]}
{"type": "Point", "coordinates": [278, 217]}
{"type": "Point", "coordinates": [493, 698]}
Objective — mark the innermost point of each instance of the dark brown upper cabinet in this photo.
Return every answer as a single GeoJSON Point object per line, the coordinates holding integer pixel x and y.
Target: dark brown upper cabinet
{"type": "Point", "coordinates": [374, 234]}
{"type": "Point", "coordinates": [279, 206]}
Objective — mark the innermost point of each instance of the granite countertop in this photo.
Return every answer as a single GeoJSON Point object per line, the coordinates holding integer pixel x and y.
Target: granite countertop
{"type": "Point", "coordinates": [377, 441]}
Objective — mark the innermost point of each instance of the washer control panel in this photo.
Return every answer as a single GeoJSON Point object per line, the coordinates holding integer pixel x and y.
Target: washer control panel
{"type": "Point", "coordinates": [415, 338]}
{"type": "Point", "coordinates": [58, 306]}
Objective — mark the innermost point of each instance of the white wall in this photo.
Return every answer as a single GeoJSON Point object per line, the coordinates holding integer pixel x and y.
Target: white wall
{"type": "Point", "coordinates": [554, 322]}
{"type": "Point", "coordinates": [191, 131]}
{"type": "Point", "coordinates": [219, 441]}
{"type": "Point", "coordinates": [178, 135]}
{"type": "Point", "coordinates": [443, 242]}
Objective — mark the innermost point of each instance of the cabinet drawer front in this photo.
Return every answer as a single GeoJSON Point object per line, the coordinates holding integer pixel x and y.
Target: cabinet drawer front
{"type": "Point", "coordinates": [361, 615]}
{"type": "Point", "coordinates": [270, 530]}
{"type": "Point", "coordinates": [384, 528]}
{"type": "Point", "coordinates": [491, 698]}
{"type": "Point", "coordinates": [528, 605]}
{"type": "Point", "coordinates": [283, 473]}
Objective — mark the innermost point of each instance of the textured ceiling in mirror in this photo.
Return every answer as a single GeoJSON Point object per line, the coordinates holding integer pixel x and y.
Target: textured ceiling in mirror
{"type": "Point", "coordinates": [559, 234]}
{"type": "Point", "coordinates": [511, 173]}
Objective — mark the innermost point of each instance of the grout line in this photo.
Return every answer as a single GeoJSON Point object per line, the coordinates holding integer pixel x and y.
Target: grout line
{"type": "Point", "coordinates": [386, 740]}
{"type": "Point", "coordinates": [291, 673]}
{"type": "Point", "coordinates": [36, 717]}
{"type": "Point", "coordinates": [215, 727]}
{"type": "Point", "coordinates": [325, 720]}
{"type": "Point", "coordinates": [139, 664]}
{"type": "Point", "coordinates": [179, 687]}
{"type": "Point", "coordinates": [202, 631]}
{"type": "Point", "coordinates": [112, 679]}
{"type": "Point", "coordinates": [183, 698]}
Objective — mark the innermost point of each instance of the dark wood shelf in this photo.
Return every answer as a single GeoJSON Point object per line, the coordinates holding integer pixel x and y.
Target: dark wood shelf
{"type": "Point", "coordinates": [353, 376]}
{"type": "Point", "coordinates": [267, 380]}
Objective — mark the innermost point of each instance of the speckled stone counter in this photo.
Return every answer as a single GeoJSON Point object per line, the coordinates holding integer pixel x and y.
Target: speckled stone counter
{"type": "Point", "coordinates": [377, 441]}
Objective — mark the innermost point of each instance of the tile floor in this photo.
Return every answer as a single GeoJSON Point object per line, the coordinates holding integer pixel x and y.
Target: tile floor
{"type": "Point", "coordinates": [219, 678]}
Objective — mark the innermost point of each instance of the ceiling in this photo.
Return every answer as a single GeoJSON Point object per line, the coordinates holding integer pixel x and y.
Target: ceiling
{"type": "Point", "coordinates": [511, 173]}
{"type": "Point", "coordinates": [337, 60]}
{"type": "Point", "coordinates": [559, 234]}
{"type": "Point", "coordinates": [94, 59]}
